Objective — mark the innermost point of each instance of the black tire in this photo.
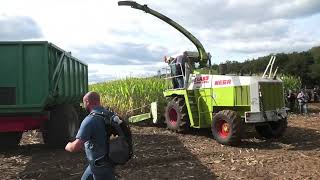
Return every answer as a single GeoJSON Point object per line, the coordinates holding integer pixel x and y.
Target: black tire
{"type": "Point", "coordinates": [227, 127]}
{"type": "Point", "coordinates": [10, 139]}
{"type": "Point", "coordinates": [127, 133]}
{"type": "Point", "coordinates": [176, 115]}
{"type": "Point", "coordinates": [274, 129]}
{"type": "Point", "coordinates": [61, 127]}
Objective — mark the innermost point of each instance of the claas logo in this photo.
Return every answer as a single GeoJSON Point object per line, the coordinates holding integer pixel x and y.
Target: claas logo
{"type": "Point", "coordinates": [222, 82]}
{"type": "Point", "coordinates": [201, 80]}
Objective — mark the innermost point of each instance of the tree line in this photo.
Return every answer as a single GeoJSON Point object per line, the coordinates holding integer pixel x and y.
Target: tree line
{"type": "Point", "coordinates": [305, 65]}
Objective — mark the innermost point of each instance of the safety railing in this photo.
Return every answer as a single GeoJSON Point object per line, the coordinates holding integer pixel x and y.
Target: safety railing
{"type": "Point", "coordinates": [171, 75]}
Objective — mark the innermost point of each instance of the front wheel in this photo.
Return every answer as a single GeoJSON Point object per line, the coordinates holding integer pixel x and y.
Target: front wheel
{"type": "Point", "coordinates": [176, 116]}
{"type": "Point", "coordinates": [227, 127]}
{"type": "Point", "coordinates": [273, 129]}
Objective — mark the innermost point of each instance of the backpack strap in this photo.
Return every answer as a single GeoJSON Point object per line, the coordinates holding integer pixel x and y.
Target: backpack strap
{"type": "Point", "coordinates": [108, 120]}
{"type": "Point", "coordinates": [107, 117]}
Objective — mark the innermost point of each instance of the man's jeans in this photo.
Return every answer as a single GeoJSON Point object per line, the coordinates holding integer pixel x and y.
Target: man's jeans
{"type": "Point", "coordinates": [100, 173]}
{"type": "Point", "coordinates": [180, 82]}
{"type": "Point", "coordinates": [303, 108]}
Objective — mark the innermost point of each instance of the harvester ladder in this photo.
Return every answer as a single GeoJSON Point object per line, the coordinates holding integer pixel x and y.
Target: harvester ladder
{"type": "Point", "coordinates": [194, 108]}
{"type": "Point", "coordinates": [203, 112]}
{"type": "Point", "coordinates": [194, 102]}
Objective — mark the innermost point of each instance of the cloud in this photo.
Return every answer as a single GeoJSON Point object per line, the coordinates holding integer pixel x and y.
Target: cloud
{"type": "Point", "coordinates": [18, 28]}
{"type": "Point", "coordinates": [103, 72]}
{"type": "Point", "coordinates": [234, 28]}
{"type": "Point", "coordinates": [230, 30]}
{"type": "Point", "coordinates": [96, 78]}
{"type": "Point", "coordinates": [208, 13]}
{"type": "Point", "coordinates": [127, 53]}
{"type": "Point", "coordinates": [120, 41]}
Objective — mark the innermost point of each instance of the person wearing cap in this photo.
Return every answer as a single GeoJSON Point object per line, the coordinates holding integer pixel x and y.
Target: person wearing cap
{"type": "Point", "coordinates": [173, 70]}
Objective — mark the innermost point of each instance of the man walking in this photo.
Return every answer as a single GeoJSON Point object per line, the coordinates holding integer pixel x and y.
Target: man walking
{"type": "Point", "coordinates": [92, 137]}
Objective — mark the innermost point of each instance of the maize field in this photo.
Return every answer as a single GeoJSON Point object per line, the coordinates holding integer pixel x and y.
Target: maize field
{"type": "Point", "coordinates": [131, 93]}
{"type": "Point", "coordinates": [291, 82]}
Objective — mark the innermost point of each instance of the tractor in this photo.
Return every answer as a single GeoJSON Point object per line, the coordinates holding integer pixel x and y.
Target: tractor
{"type": "Point", "coordinates": [224, 103]}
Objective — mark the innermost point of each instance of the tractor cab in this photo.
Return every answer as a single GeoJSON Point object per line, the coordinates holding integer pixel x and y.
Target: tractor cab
{"type": "Point", "coordinates": [180, 69]}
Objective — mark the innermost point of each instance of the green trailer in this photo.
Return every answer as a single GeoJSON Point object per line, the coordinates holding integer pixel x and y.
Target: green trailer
{"type": "Point", "coordinates": [41, 87]}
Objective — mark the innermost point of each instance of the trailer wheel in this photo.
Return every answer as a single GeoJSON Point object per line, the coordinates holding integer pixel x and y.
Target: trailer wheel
{"type": "Point", "coordinates": [176, 116]}
{"type": "Point", "coordinates": [274, 129]}
{"type": "Point", "coordinates": [10, 139]}
{"type": "Point", "coordinates": [61, 127]}
{"type": "Point", "coordinates": [227, 127]}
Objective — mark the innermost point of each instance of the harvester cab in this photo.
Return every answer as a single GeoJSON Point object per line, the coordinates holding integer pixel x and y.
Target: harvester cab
{"type": "Point", "coordinates": [224, 103]}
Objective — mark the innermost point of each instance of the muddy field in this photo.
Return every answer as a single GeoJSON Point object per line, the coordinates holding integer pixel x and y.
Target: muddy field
{"type": "Point", "coordinates": [161, 154]}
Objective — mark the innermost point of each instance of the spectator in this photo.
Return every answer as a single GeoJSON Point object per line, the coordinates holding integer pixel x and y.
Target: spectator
{"type": "Point", "coordinates": [291, 99]}
{"type": "Point", "coordinates": [303, 100]}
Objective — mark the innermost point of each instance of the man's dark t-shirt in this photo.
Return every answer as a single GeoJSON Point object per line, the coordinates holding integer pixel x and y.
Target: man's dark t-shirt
{"type": "Point", "coordinates": [92, 131]}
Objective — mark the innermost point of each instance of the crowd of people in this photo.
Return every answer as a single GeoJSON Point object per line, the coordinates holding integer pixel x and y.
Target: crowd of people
{"type": "Point", "coordinates": [297, 101]}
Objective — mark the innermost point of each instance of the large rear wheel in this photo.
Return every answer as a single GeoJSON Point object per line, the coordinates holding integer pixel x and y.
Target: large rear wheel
{"type": "Point", "coordinates": [176, 115]}
{"type": "Point", "coordinates": [273, 129]}
{"type": "Point", "coordinates": [62, 126]}
{"type": "Point", "coordinates": [227, 127]}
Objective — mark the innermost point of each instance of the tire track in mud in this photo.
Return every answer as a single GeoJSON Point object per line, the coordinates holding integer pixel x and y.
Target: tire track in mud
{"type": "Point", "coordinates": [161, 154]}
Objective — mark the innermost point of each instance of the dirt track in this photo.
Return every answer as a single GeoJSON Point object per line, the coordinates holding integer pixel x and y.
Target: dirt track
{"type": "Point", "coordinates": [161, 154]}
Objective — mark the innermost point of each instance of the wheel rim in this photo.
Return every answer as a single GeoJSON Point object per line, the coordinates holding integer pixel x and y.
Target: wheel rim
{"type": "Point", "coordinates": [173, 116]}
{"type": "Point", "coordinates": [223, 128]}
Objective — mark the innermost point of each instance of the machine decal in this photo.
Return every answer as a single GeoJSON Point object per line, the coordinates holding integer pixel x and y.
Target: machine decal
{"type": "Point", "coordinates": [222, 82]}
{"type": "Point", "coordinates": [201, 80]}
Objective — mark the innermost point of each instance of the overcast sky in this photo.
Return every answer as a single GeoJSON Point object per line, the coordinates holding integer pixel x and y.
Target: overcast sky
{"type": "Point", "coordinates": [120, 41]}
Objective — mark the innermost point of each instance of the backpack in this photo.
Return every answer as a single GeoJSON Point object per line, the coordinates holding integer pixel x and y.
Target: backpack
{"type": "Point", "coordinates": [120, 147]}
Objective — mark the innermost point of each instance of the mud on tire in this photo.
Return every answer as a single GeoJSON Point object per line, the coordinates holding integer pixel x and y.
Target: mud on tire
{"type": "Point", "coordinates": [227, 127]}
